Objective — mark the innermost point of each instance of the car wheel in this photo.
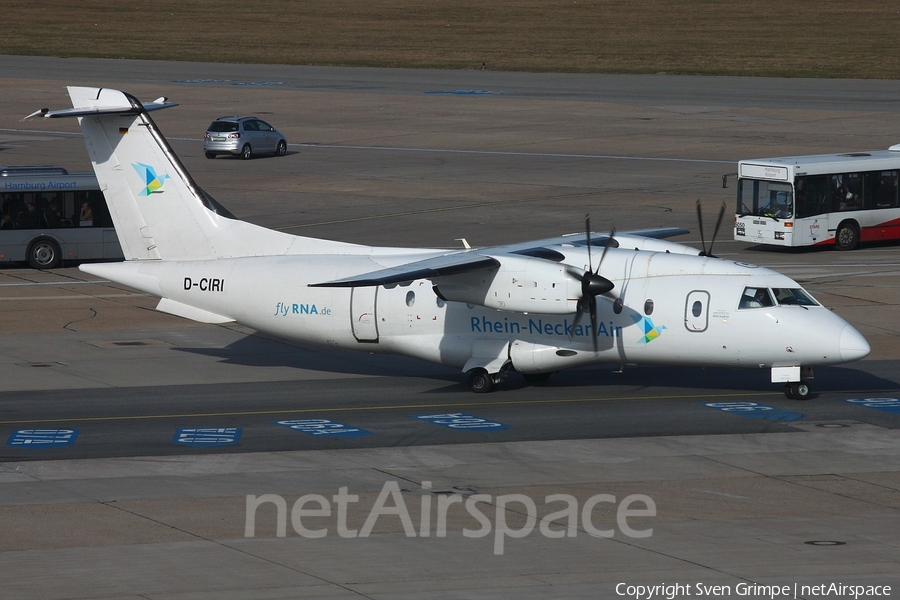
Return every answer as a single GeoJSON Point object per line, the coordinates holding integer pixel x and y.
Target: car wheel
{"type": "Point", "coordinates": [246, 152]}
{"type": "Point", "coordinates": [44, 254]}
{"type": "Point", "coordinates": [281, 150]}
{"type": "Point", "coordinates": [210, 155]}
{"type": "Point", "coordinates": [847, 236]}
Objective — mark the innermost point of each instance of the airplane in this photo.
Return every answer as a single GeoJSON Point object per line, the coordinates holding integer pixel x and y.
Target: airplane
{"type": "Point", "coordinates": [534, 307]}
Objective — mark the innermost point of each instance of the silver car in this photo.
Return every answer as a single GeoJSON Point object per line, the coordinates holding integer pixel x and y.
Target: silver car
{"type": "Point", "coordinates": [244, 137]}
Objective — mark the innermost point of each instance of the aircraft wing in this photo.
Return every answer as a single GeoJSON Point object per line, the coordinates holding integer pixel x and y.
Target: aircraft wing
{"type": "Point", "coordinates": [485, 259]}
{"type": "Point", "coordinates": [438, 266]}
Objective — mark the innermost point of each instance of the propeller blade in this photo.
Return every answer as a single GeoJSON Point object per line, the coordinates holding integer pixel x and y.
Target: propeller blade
{"type": "Point", "coordinates": [578, 314]}
{"type": "Point", "coordinates": [606, 246]}
{"type": "Point", "coordinates": [587, 235]}
{"type": "Point", "coordinates": [700, 224]}
{"type": "Point", "coordinates": [716, 230]}
{"type": "Point", "coordinates": [593, 309]}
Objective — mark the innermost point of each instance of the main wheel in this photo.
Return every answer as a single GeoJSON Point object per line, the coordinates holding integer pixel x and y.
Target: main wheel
{"type": "Point", "coordinates": [246, 152]}
{"type": "Point", "coordinates": [281, 150]}
{"type": "Point", "coordinates": [480, 381]}
{"type": "Point", "coordinates": [847, 236]}
{"type": "Point", "coordinates": [44, 254]}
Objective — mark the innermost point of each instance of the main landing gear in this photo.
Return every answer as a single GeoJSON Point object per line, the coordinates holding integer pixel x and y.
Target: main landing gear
{"type": "Point", "coordinates": [480, 381]}
{"type": "Point", "coordinates": [798, 390]}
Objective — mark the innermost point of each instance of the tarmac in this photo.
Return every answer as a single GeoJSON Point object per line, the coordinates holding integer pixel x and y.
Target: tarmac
{"type": "Point", "coordinates": [640, 483]}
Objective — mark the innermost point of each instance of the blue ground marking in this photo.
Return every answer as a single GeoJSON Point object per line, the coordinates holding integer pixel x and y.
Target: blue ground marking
{"type": "Point", "coordinates": [35, 439]}
{"type": "Point", "coordinates": [257, 83]}
{"type": "Point", "coordinates": [323, 428]}
{"type": "Point", "coordinates": [461, 420]}
{"type": "Point", "coordinates": [207, 437]}
{"type": "Point", "coordinates": [201, 81]}
{"type": "Point", "coordinates": [754, 410]}
{"type": "Point", "coordinates": [888, 405]}
{"type": "Point", "coordinates": [466, 92]}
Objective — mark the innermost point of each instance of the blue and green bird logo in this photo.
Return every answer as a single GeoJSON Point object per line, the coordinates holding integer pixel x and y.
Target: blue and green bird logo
{"type": "Point", "coordinates": [649, 330]}
{"type": "Point", "coordinates": [152, 182]}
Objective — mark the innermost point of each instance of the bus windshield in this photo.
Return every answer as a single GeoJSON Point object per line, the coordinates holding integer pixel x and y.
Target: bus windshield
{"type": "Point", "coordinates": [762, 198]}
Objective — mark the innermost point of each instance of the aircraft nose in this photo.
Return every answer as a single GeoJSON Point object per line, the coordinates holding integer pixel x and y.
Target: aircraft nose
{"type": "Point", "coordinates": [853, 345]}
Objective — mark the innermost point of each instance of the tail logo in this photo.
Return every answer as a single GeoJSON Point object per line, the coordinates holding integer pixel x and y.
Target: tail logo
{"type": "Point", "coordinates": [152, 182]}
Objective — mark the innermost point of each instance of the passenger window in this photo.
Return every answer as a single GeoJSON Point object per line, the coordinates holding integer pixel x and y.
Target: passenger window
{"type": "Point", "coordinates": [756, 298]}
{"type": "Point", "coordinates": [410, 298]}
{"type": "Point", "coordinates": [697, 308]}
{"type": "Point", "coordinates": [648, 307]}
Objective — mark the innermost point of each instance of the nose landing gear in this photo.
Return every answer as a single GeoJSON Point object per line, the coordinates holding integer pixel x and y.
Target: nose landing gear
{"type": "Point", "coordinates": [798, 390]}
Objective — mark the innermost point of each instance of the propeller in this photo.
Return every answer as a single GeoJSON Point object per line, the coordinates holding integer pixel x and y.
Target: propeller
{"type": "Point", "coordinates": [592, 283]}
{"type": "Point", "coordinates": [706, 252]}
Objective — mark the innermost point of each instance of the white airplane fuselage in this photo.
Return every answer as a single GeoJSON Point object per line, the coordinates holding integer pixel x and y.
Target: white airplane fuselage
{"type": "Point", "coordinates": [272, 294]}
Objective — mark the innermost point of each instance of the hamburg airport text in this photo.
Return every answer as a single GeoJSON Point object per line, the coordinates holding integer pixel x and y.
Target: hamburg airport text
{"type": "Point", "coordinates": [540, 327]}
{"type": "Point", "coordinates": [753, 590]}
{"type": "Point", "coordinates": [43, 185]}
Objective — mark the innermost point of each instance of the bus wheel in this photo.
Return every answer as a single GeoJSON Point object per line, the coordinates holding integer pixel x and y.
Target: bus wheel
{"type": "Point", "coordinates": [847, 236]}
{"type": "Point", "coordinates": [246, 152]}
{"type": "Point", "coordinates": [44, 254]}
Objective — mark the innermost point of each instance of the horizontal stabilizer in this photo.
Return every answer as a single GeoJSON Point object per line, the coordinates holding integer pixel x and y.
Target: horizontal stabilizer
{"type": "Point", "coordinates": [190, 312]}
{"type": "Point", "coordinates": [101, 101]}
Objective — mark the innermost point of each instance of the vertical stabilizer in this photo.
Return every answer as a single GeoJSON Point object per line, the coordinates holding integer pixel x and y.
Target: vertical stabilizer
{"type": "Point", "coordinates": [157, 209]}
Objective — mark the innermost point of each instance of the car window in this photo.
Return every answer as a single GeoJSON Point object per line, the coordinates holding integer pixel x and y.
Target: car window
{"type": "Point", "coordinates": [263, 126]}
{"type": "Point", "coordinates": [223, 126]}
{"type": "Point", "coordinates": [250, 126]}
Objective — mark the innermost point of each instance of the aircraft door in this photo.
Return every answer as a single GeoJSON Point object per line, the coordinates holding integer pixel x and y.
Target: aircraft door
{"type": "Point", "coordinates": [696, 311]}
{"type": "Point", "coordinates": [362, 313]}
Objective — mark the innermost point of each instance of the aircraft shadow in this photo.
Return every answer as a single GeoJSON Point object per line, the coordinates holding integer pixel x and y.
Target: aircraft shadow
{"type": "Point", "coordinates": [265, 352]}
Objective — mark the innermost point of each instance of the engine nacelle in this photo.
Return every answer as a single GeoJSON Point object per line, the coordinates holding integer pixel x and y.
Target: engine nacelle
{"type": "Point", "coordinates": [637, 242]}
{"type": "Point", "coordinates": [528, 357]}
{"type": "Point", "coordinates": [520, 284]}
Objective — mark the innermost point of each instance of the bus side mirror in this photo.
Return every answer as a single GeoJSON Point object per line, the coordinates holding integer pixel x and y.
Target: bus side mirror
{"type": "Point", "coordinates": [725, 179]}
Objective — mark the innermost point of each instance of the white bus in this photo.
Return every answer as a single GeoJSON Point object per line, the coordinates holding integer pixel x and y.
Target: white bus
{"type": "Point", "coordinates": [825, 199]}
{"type": "Point", "coordinates": [50, 215]}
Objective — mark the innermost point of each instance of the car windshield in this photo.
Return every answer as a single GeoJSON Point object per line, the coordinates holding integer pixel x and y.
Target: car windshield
{"type": "Point", "coordinates": [223, 126]}
{"type": "Point", "coordinates": [794, 296]}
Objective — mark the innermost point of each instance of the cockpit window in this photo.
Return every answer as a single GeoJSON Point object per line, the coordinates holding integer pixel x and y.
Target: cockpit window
{"type": "Point", "coordinates": [754, 297]}
{"type": "Point", "coordinates": [795, 296]}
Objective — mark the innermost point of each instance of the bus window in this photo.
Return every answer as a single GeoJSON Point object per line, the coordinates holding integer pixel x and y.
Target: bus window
{"type": "Point", "coordinates": [885, 190]}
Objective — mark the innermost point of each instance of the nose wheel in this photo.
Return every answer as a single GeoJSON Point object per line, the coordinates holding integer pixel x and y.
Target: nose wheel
{"type": "Point", "coordinates": [798, 390]}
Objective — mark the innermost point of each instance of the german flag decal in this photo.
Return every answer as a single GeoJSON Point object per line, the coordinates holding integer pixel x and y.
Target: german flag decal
{"type": "Point", "coordinates": [123, 130]}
